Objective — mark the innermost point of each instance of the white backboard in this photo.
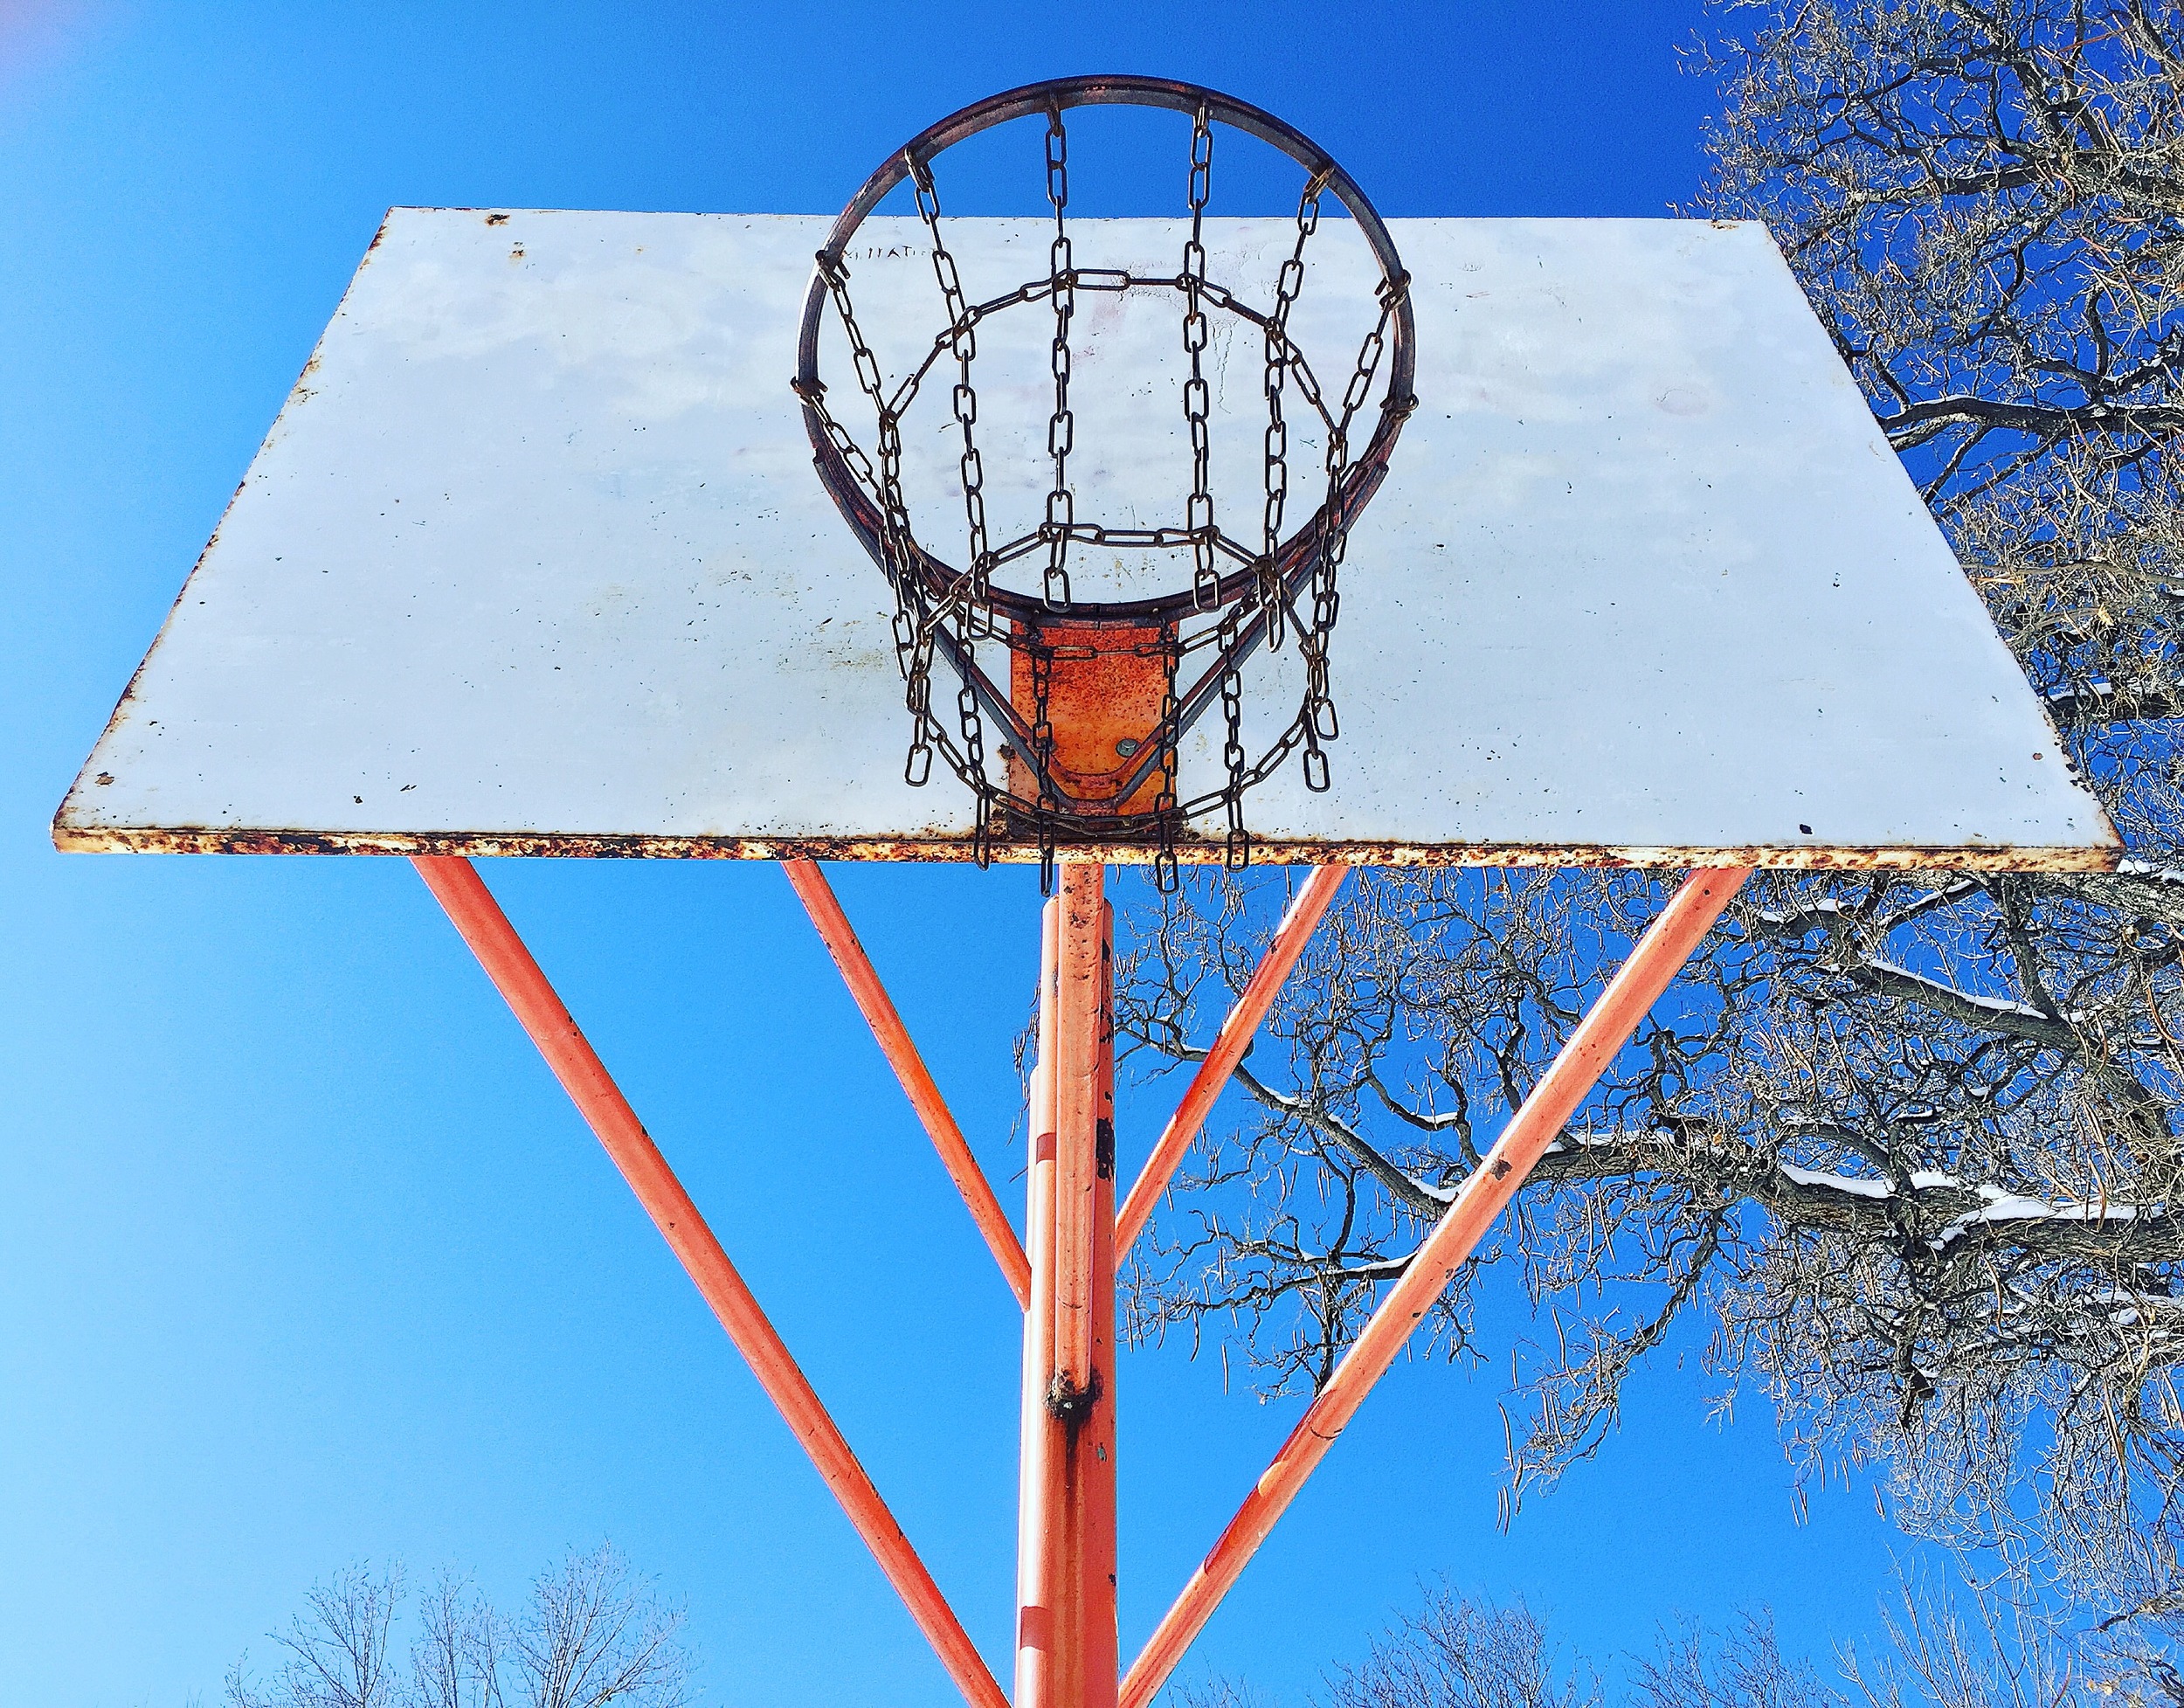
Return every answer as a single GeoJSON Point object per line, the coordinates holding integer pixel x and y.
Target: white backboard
{"type": "Point", "coordinates": [533, 561]}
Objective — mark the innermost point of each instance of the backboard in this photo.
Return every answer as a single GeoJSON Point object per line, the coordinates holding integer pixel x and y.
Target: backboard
{"type": "Point", "coordinates": [533, 561]}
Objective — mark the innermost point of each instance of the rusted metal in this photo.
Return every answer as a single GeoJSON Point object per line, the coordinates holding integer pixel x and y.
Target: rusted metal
{"type": "Point", "coordinates": [1105, 701]}
{"type": "Point", "coordinates": [145, 838]}
{"type": "Point", "coordinates": [872, 1001]}
{"type": "Point", "coordinates": [584, 1078]}
{"type": "Point", "coordinates": [1289, 938]}
{"type": "Point", "coordinates": [1668, 943]}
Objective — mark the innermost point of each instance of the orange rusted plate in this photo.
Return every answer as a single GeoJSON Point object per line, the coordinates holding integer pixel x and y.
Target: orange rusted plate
{"type": "Point", "coordinates": [1103, 699]}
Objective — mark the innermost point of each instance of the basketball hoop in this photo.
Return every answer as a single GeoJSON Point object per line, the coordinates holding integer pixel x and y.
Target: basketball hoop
{"type": "Point", "coordinates": [566, 643]}
{"type": "Point", "coordinates": [1100, 692]}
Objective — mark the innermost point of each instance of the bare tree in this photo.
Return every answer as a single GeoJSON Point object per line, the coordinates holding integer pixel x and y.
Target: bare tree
{"type": "Point", "coordinates": [335, 1648]}
{"type": "Point", "coordinates": [1455, 1652]}
{"type": "Point", "coordinates": [1909, 1176]}
{"type": "Point", "coordinates": [1984, 201]}
{"type": "Point", "coordinates": [1904, 1153]}
{"type": "Point", "coordinates": [1968, 1646]}
{"type": "Point", "coordinates": [591, 1637]}
{"type": "Point", "coordinates": [590, 1634]}
{"type": "Point", "coordinates": [1744, 1667]}
{"type": "Point", "coordinates": [455, 1659]}
{"type": "Point", "coordinates": [1984, 1648]}
{"type": "Point", "coordinates": [1219, 1692]}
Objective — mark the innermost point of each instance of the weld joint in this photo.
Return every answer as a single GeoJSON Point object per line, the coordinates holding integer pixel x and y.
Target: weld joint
{"type": "Point", "coordinates": [1070, 1405]}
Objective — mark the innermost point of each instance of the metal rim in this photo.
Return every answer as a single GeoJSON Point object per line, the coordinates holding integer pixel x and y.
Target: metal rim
{"type": "Point", "coordinates": [1366, 469]}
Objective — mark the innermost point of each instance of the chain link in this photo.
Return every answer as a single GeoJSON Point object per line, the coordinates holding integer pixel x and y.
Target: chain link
{"type": "Point", "coordinates": [1198, 519]}
{"type": "Point", "coordinates": [913, 637]}
{"type": "Point", "coordinates": [1320, 722]}
{"type": "Point", "coordinates": [1164, 875]}
{"type": "Point", "coordinates": [1287, 286]}
{"type": "Point", "coordinates": [1062, 427]}
{"type": "Point", "coordinates": [1236, 852]}
{"type": "Point", "coordinates": [963, 343]}
{"type": "Point", "coordinates": [1043, 753]}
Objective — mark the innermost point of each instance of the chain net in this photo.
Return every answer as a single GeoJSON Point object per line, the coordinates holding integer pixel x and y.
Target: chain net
{"type": "Point", "coordinates": [1241, 594]}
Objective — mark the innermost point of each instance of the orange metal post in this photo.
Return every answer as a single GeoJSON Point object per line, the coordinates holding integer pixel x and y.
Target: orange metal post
{"type": "Point", "coordinates": [834, 929]}
{"type": "Point", "coordinates": [1094, 1460]}
{"type": "Point", "coordinates": [585, 1079]}
{"type": "Point", "coordinates": [1038, 1499]}
{"type": "Point", "coordinates": [1652, 967]}
{"type": "Point", "coordinates": [1066, 1565]}
{"type": "Point", "coordinates": [1077, 1014]}
{"type": "Point", "coordinates": [1079, 1394]}
{"type": "Point", "coordinates": [1296, 931]}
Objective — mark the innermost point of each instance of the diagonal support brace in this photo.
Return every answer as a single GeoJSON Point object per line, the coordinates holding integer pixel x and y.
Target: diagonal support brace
{"type": "Point", "coordinates": [508, 964]}
{"type": "Point", "coordinates": [1213, 1073]}
{"type": "Point", "coordinates": [872, 1001]}
{"type": "Point", "coordinates": [1653, 966]}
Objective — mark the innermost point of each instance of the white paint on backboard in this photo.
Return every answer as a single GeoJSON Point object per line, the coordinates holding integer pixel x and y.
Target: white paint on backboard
{"type": "Point", "coordinates": [535, 557]}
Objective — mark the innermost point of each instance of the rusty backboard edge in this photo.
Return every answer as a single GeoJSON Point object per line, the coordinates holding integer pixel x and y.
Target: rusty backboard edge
{"type": "Point", "coordinates": [488, 844]}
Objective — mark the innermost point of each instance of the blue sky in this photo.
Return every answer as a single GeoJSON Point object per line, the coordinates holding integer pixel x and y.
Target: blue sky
{"type": "Point", "coordinates": [303, 1257]}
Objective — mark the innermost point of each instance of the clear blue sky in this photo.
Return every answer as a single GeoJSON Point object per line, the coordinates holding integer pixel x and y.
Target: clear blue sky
{"type": "Point", "coordinates": [303, 1257]}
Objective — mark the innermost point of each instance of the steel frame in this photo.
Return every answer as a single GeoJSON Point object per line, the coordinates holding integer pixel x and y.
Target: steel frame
{"type": "Point", "coordinates": [1062, 1273]}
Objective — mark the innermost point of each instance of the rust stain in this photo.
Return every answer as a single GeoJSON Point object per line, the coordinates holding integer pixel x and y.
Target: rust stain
{"type": "Point", "coordinates": [73, 839]}
{"type": "Point", "coordinates": [1103, 699]}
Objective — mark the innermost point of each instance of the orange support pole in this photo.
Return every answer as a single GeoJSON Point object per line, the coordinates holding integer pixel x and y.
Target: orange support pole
{"type": "Point", "coordinates": [1213, 1076]}
{"type": "Point", "coordinates": [1039, 1497]}
{"type": "Point", "coordinates": [510, 966]}
{"type": "Point", "coordinates": [1092, 1461]}
{"type": "Point", "coordinates": [872, 1000]}
{"type": "Point", "coordinates": [1067, 1654]}
{"type": "Point", "coordinates": [1653, 966]}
